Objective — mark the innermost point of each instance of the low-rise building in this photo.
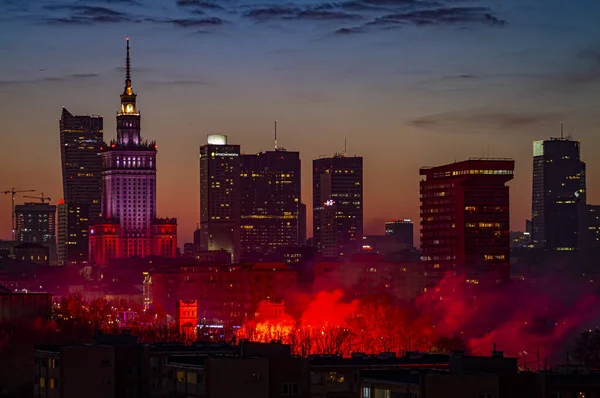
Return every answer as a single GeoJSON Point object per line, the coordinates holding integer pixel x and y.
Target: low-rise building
{"type": "Point", "coordinates": [19, 306]}
{"type": "Point", "coordinates": [113, 366]}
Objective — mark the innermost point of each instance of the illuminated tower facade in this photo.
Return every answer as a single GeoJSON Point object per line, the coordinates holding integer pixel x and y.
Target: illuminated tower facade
{"type": "Point", "coordinates": [338, 204]}
{"type": "Point", "coordinates": [220, 196]}
{"type": "Point", "coordinates": [559, 195]}
{"type": "Point", "coordinates": [465, 220]}
{"type": "Point", "coordinates": [81, 141]}
{"type": "Point", "coordinates": [129, 192]}
{"type": "Point", "coordinates": [271, 201]}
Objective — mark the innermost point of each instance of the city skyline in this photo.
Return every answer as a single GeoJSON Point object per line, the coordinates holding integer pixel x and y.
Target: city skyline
{"type": "Point", "coordinates": [374, 96]}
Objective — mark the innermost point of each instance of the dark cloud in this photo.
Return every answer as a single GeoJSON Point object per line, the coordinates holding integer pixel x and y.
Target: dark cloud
{"type": "Point", "coordinates": [199, 4]}
{"type": "Point", "coordinates": [83, 75]}
{"type": "Point", "coordinates": [488, 121]}
{"type": "Point", "coordinates": [129, 2]}
{"type": "Point", "coordinates": [325, 12]}
{"type": "Point", "coordinates": [271, 12]}
{"type": "Point", "coordinates": [349, 31]}
{"type": "Point", "coordinates": [443, 16]}
{"type": "Point", "coordinates": [49, 79]}
{"type": "Point", "coordinates": [324, 15]}
{"type": "Point", "coordinates": [190, 22]}
{"type": "Point", "coordinates": [86, 15]}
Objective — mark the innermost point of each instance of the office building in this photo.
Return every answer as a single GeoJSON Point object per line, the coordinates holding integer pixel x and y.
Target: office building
{"type": "Point", "coordinates": [36, 223]}
{"type": "Point", "coordinates": [593, 227]}
{"type": "Point", "coordinates": [465, 220]}
{"type": "Point", "coordinates": [220, 196]}
{"type": "Point", "coordinates": [559, 195]}
{"type": "Point", "coordinates": [81, 141]}
{"type": "Point", "coordinates": [401, 231]}
{"type": "Point", "coordinates": [338, 204]}
{"type": "Point", "coordinates": [270, 201]}
{"type": "Point", "coordinates": [129, 227]}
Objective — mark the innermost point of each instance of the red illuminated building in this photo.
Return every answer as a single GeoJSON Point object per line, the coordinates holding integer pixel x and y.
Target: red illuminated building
{"type": "Point", "coordinates": [226, 294]}
{"type": "Point", "coordinates": [465, 220]}
{"type": "Point", "coordinates": [130, 227]}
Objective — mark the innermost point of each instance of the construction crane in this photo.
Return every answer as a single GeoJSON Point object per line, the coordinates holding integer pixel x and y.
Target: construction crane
{"type": "Point", "coordinates": [42, 198]}
{"type": "Point", "coordinates": [14, 193]}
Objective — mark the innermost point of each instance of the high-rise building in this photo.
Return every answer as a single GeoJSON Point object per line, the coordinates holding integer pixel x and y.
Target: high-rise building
{"type": "Point", "coordinates": [220, 196]}
{"type": "Point", "coordinates": [401, 231]}
{"type": "Point", "coordinates": [559, 194]}
{"type": "Point", "coordinates": [465, 220]}
{"type": "Point", "coordinates": [338, 204]}
{"type": "Point", "coordinates": [593, 227]}
{"type": "Point", "coordinates": [73, 231]}
{"type": "Point", "coordinates": [81, 141]}
{"type": "Point", "coordinates": [270, 201]}
{"type": "Point", "coordinates": [129, 192]}
{"type": "Point", "coordinates": [36, 223]}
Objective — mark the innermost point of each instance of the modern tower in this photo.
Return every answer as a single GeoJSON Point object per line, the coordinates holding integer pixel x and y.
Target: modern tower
{"type": "Point", "coordinates": [271, 201]}
{"type": "Point", "coordinates": [129, 227]}
{"type": "Point", "coordinates": [465, 220]}
{"type": "Point", "coordinates": [220, 196]}
{"type": "Point", "coordinates": [81, 141]}
{"type": "Point", "coordinates": [338, 204]}
{"type": "Point", "coordinates": [559, 195]}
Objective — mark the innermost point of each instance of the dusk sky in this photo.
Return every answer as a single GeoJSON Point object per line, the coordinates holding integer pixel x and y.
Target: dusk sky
{"type": "Point", "coordinates": [408, 82]}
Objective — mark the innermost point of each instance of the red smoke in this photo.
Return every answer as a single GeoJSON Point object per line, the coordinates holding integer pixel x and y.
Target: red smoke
{"type": "Point", "coordinates": [522, 318]}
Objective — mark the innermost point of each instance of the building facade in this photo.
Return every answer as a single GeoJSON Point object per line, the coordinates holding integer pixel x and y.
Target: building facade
{"type": "Point", "coordinates": [226, 294]}
{"type": "Point", "coordinates": [129, 193]}
{"type": "Point", "coordinates": [81, 141]}
{"type": "Point", "coordinates": [220, 196]}
{"type": "Point", "coordinates": [338, 205]}
{"type": "Point", "coordinates": [465, 220]}
{"type": "Point", "coordinates": [401, 231]}
{"type": "Point", "coordinates": [36, 223]}
{"type": "Point", "coordinates": [270, 201]}
{"type": "Point", "coordinates": [559, 195]}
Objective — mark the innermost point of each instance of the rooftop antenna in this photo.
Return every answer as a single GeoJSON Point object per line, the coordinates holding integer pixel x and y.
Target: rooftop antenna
{"type": "Point", "coordinates": [345, 147]}
{"type": "Point", "coordinates": [561, 130]}
{"type": "Point", "coordinates": [275, 134]}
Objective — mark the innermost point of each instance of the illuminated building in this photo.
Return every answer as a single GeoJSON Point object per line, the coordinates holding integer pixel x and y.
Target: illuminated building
{"type": "Point", "coordinates": [36, 223]}
{"type": "Point", "coordinates": [559, 194]}
{"type": "Point", "coordinates": [220, 196]}
{"type": "Point", "coordinates": [129, 193]}
{"type": "Point", "coordinates": [187, 318]}
{"type": "Point", "coordinates": [465, 220]}
{"type": "Point", "coordinates": [338, 204]}
{"type": "Point", "coordinates": [270, 201]}
{"type": "Point", "coordinates": [81, 141]}
{"type": "Point", "coordinates": [593, 227]}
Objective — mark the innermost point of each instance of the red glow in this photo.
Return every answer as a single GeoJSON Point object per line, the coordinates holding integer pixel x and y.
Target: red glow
{"type": "Point", "coordinates": [454, 315]}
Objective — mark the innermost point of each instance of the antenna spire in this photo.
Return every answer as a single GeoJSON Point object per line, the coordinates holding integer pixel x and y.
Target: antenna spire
{"type": "Point", "coordinates": [561, 130]}
{"type": "Point", "coordinates": [128, 66]}
{"type": "Point", "coordinates": [345, 147]}
{"type": "Point", "coordinates": [275, 134]}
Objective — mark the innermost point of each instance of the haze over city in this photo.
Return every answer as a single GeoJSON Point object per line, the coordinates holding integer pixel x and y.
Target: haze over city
{"type": "Point", "coordinates": [406, 87]}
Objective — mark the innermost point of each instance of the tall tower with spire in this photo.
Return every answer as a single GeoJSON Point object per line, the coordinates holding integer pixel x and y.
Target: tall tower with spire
{"type": "Point", "coordinates": [128, 119]}
{"type": "Point", "coordinates": [130, 227]}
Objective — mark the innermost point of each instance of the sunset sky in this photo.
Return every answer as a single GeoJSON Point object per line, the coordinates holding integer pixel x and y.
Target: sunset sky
{"type": "Point", "coordinates": [408, 82]}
